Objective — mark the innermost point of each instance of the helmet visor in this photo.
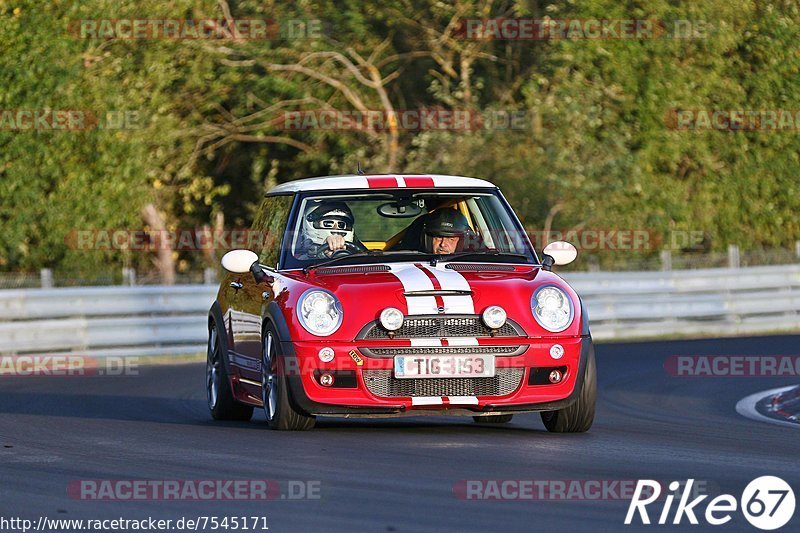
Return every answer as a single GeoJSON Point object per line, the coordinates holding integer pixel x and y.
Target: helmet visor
{"type": "Point", "coordinates": [333, 223]}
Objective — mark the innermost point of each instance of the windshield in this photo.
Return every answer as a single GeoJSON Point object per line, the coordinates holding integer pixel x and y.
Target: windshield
{"type": "Point", "coordinates": [391, 226]}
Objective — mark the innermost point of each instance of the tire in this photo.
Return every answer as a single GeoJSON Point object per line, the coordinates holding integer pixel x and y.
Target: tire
{"type": "Point", "coordinates": [275, 391]}
{"type": "Point", "coordinates": [493, 419]}
{"type": "Point", "coordinates": [218, 386]}
{"type": "Point", "coordinates": [578, 417]}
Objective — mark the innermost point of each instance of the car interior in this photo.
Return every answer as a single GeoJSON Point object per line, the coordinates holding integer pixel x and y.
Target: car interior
{"type": "Point", "coordinates": [393, 224]}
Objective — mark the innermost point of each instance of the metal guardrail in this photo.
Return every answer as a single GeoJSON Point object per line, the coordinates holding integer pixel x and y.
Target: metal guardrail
{"type": "Point", "coordinates": [154, 320]}
{"type": "Point", "coordinates": [105, 321]}
{"type": "Point", "coordinates": [710, 302]}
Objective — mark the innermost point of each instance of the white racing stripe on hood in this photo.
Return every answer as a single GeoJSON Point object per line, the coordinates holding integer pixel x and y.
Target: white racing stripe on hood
{"type": "Point", "coordinates": [413, 279]}
{"type": "Point", "coordinates": [450, 280]}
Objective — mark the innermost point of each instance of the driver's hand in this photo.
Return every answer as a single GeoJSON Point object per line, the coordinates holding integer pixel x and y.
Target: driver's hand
{"type": "Point", "coordinates": [335, 242]}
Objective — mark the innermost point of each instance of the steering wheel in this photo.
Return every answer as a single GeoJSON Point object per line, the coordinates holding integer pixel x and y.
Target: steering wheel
{"type": "Point", "coordinates": [349, 248]}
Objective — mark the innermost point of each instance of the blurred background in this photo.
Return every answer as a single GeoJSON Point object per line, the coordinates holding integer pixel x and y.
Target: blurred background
{"type": "Point", "coordinates": [187, 133]}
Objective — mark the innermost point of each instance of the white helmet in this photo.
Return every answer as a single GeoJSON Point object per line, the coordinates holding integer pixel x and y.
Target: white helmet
{"type": "Point", "coordinates": [329, 218]}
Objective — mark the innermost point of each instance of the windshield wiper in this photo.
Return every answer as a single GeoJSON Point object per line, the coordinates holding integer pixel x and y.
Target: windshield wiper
{"type": "Point", "coordinates": [368, 253]}
{"type": "Point", "coordinates": [335, 260]}
{"type": "Point", "coordinates": [406, 252]}
{"type": "Point", "coordinates": [462, 255]}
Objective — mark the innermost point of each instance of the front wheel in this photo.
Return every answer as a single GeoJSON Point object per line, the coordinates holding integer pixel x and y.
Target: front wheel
{"type": "Point", "coordinates": [218, 387]}
{"type": "Point", "coordinates": [275, 393]}
{"type": "Point", "coordinates": [578, 417]}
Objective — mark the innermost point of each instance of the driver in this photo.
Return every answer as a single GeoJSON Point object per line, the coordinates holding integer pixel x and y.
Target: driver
{"type": "Point", "coordinates": [444, 232]}
{"type": "Point", "coordinates": [326, 229]}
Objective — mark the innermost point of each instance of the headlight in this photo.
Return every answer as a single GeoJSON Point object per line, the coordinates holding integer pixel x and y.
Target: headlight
{"type": "Point", "coordinates": [319, 312]}
{"type": "Point", "coordinates": [494, 317]}
{"type": "Point", "coordinates": [391, 319]}
{"type": "Point", "coordinates": [552, 308]}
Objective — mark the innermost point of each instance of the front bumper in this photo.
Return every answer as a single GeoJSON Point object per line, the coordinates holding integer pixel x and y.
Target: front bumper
{"type": "Point", "coordinates": [303, 367]}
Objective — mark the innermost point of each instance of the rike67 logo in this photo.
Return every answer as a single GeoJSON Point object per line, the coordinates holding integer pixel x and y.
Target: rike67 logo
{"type": "Point", "coordinates": [767, 503]}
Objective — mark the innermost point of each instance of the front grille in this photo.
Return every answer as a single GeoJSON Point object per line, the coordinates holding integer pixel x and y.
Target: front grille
{"type": "Point", "coordinates": [441, 326]}
{"type": "Point", "coordinates": [383, 383]}
{"type": "Point", "coordinates": [444, 350]}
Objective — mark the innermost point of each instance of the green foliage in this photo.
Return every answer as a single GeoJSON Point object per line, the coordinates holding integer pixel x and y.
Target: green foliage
{"type": "Point", "coordinates": [597, 151]}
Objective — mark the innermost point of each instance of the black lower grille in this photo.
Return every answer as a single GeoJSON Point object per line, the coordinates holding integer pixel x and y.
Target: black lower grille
{"type": "Point", "coordinates": [442, 350]}
{"type": "Point", "coordinates": [441, 326]}
{"type": "Point", "coordinates": [383, 383]}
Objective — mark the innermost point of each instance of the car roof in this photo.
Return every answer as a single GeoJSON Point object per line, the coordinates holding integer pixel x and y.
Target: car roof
{"type": "Point", "coordinates": [379, 181]}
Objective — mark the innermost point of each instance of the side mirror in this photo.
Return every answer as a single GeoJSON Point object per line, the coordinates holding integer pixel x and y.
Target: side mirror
{"type": "Point", "coordinates": [239, 261]}
{"type": "Point", "coordinates": [558, 253]}
{"type": "Point", "coordinates": [259, 275]}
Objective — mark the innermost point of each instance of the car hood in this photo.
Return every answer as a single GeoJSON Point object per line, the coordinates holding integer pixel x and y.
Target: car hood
{"type": "Point", "coordinates": [419, 289]}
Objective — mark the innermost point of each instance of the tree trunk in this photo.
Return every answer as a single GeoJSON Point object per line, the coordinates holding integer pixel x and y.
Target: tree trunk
{"type": "Point", "coordinates": [165, 261]}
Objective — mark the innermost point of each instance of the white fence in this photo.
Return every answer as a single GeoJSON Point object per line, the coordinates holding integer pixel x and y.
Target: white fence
{"type": "Point", "coordinates": [153, 320]}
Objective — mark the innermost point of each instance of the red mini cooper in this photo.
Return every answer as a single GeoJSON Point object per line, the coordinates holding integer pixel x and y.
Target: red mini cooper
{"type": "Point", "coordinates": [397, 295]}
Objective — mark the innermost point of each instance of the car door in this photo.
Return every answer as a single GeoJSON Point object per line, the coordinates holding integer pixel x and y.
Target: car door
{"type": "Point", "coordinates": [248, 297]}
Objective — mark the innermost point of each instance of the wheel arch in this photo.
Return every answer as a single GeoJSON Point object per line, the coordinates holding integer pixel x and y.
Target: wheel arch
{"type": "Point", "coordinates": [297, 396]}
{"type": "Point", "coordinates": [584, 319]}
{"type": "Point", "coordinates": [215, 317]}
{"type": "Point", "coordinates": [274, 315]}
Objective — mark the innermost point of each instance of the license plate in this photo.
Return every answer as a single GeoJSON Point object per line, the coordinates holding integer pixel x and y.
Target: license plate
{"type": "Point", "coordinates": [444, 366]}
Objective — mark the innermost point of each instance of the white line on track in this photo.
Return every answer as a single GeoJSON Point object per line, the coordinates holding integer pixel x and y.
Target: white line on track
{"type": "Point", "coordinates": [747, 407]}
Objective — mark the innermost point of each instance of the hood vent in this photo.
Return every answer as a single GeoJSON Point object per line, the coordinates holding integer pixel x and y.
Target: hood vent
{"type": "Point", "coordinates": [356, 269]}
{"type": "Point", "coordinates": [480, 267]}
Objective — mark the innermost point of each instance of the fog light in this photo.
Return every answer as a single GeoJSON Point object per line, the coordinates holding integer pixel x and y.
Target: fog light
{"type": "Point", "coordinates": [494, 317]}
{"type": "Point", "coordinates": [391, 319]}
{"type": "Point", "coordinates": [555, 376]}
{"type": "Point", "coordinates": [326, 354]}
{"type": "Point", "coordinates": [326, 380]}
{"type": "Point", "coordinates": [556, 351]}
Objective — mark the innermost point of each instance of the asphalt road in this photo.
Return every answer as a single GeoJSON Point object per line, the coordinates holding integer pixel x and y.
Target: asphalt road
{"type": "Point", "coordinates": [392, 475]}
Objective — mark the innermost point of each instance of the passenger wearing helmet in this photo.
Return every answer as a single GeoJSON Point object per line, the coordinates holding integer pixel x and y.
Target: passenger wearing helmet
{"type": "Point", "coordinates": [444, 232]}
{"type": "Point", "coordinates": [326, 229]}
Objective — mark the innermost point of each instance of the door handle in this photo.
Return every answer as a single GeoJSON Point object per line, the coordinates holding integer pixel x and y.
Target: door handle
{"type": "Point", "coordinates": [237, 285]}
